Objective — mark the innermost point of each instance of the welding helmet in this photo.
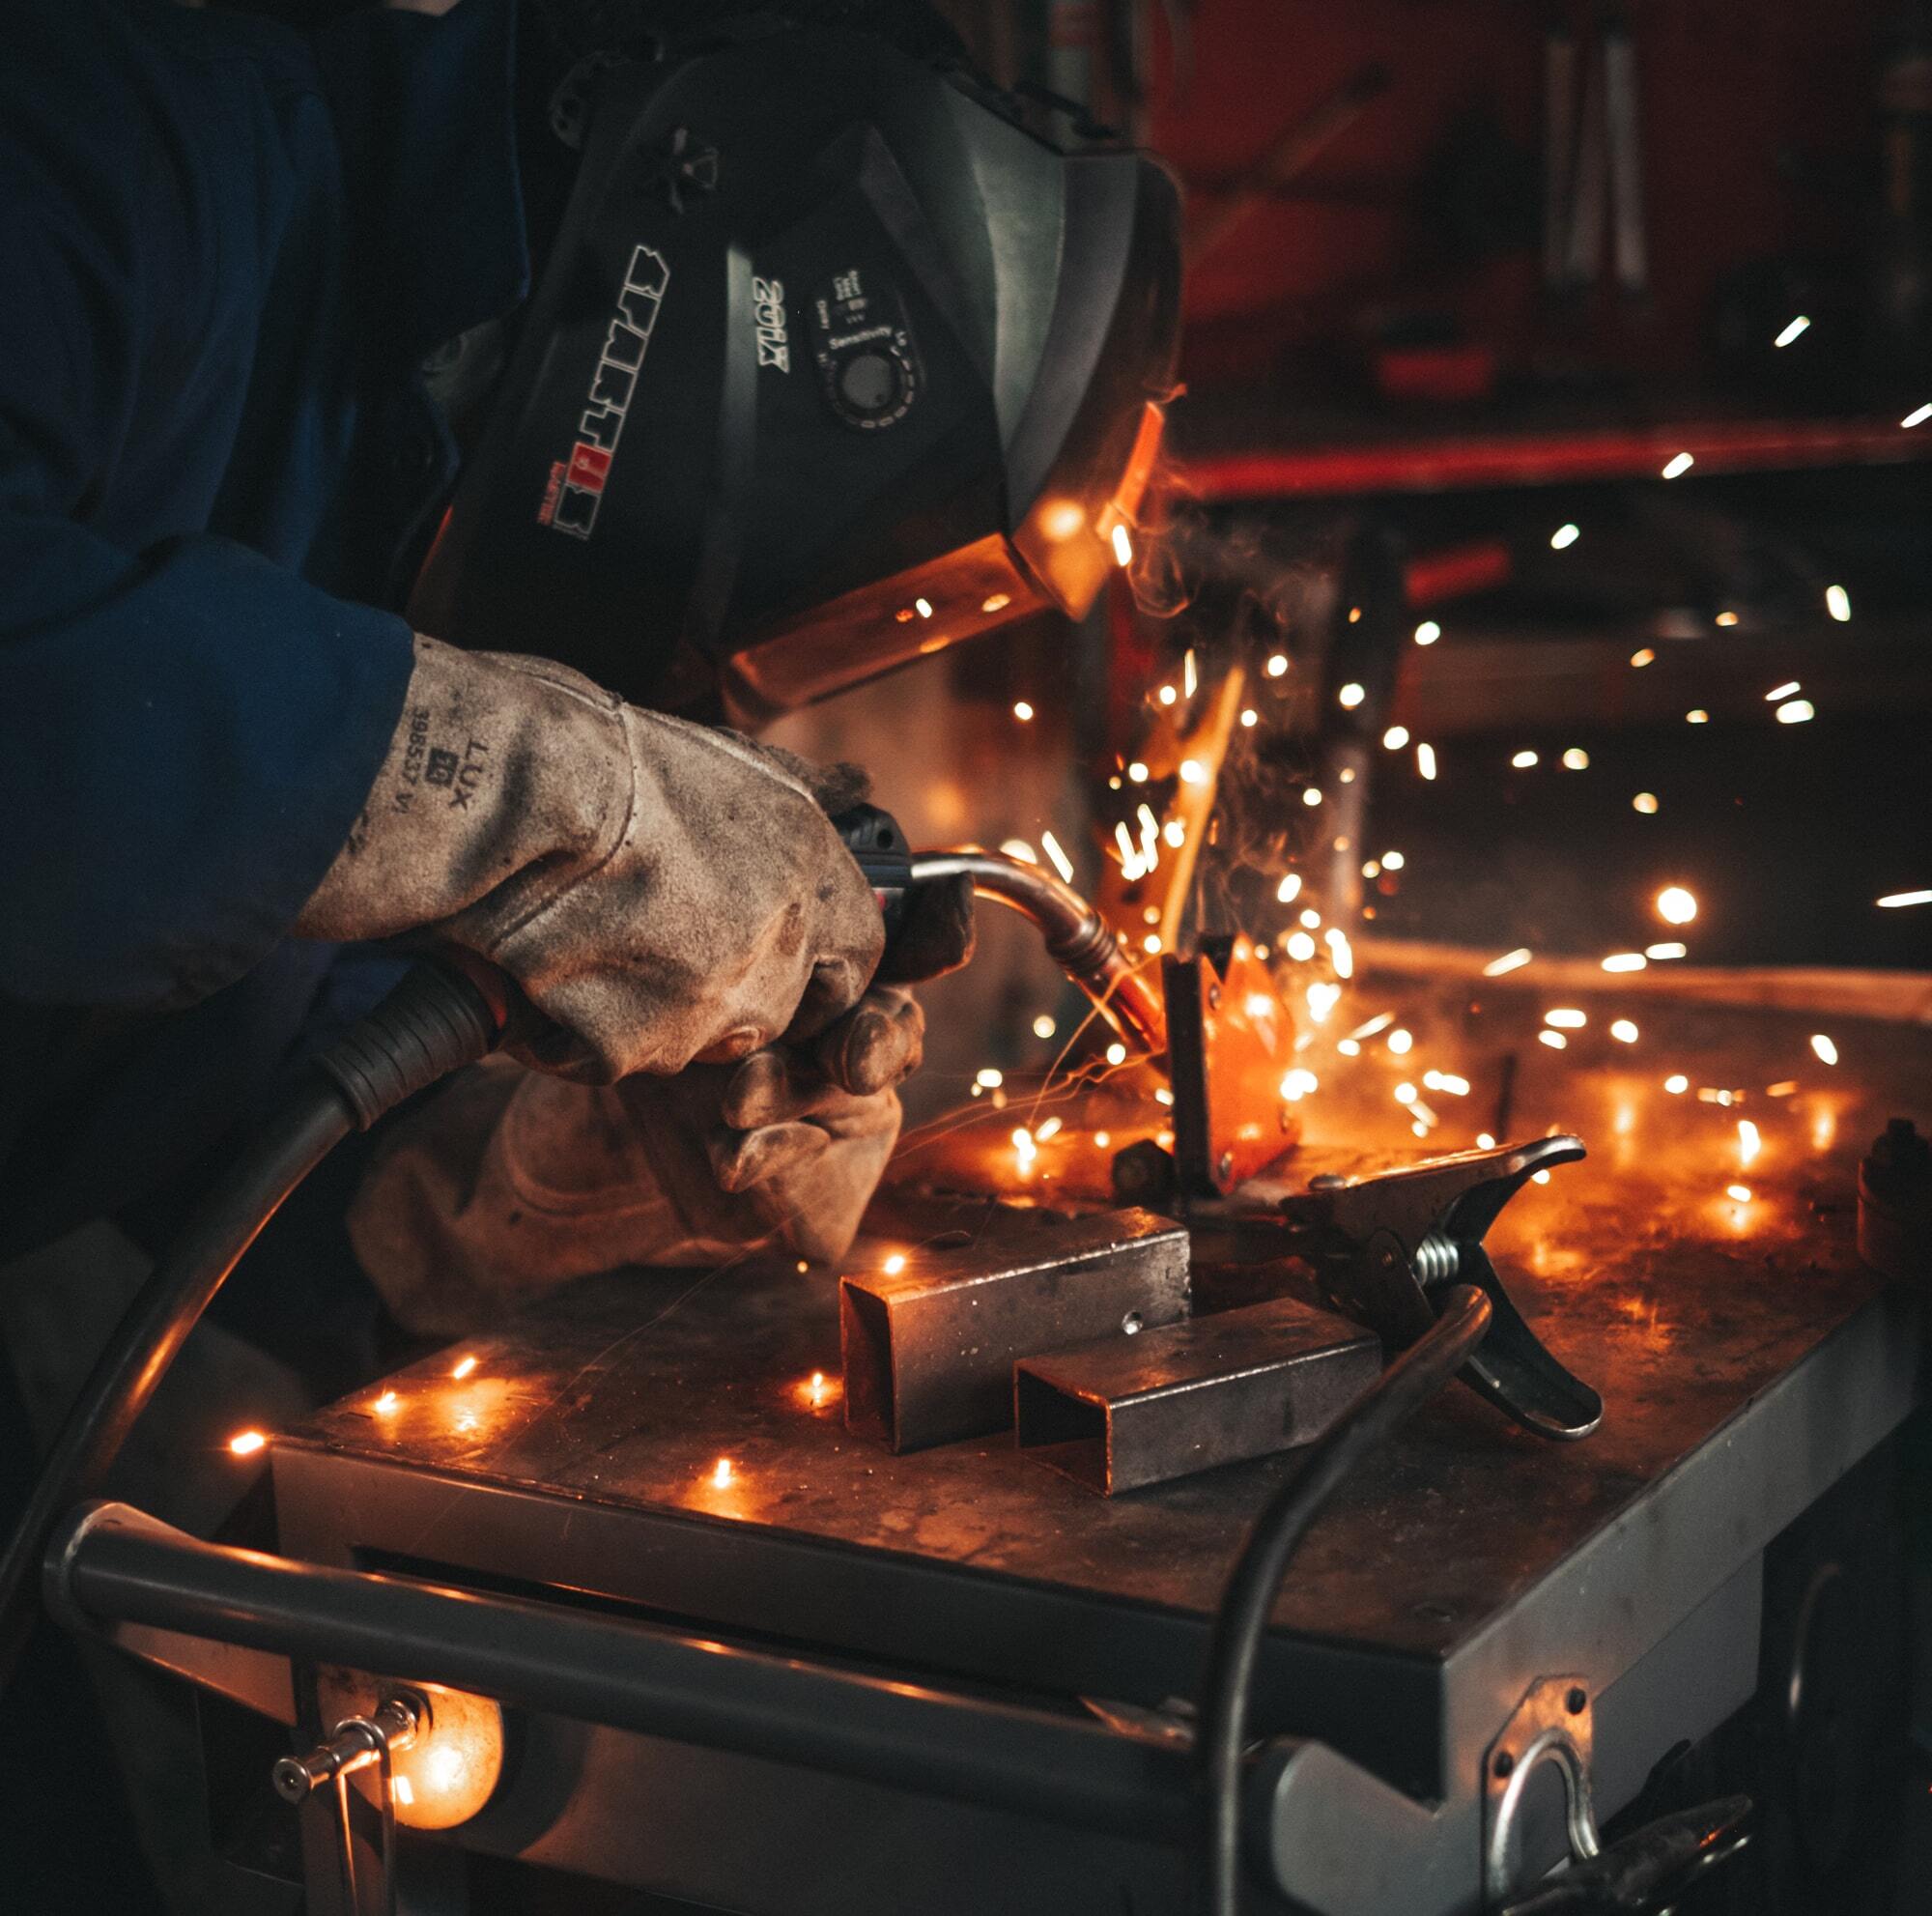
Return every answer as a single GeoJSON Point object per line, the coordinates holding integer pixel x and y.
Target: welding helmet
{"type": "Point", "coordinates": [831, 364]}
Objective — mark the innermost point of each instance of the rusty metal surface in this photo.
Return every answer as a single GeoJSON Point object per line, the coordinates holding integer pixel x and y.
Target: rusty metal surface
{"type": "Point", "coordinates": [1695, 1313]}
{"type": "Point", "coordinates": [1167, 1404]}
{"type": "Point", "coordinates": [928, 1349]}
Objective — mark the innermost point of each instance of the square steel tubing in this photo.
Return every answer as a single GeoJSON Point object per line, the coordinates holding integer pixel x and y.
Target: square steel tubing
{"type": "Point", "coordinates": [1126, 1412]}
{"type": "Point", "coordinates": [929, 1351]}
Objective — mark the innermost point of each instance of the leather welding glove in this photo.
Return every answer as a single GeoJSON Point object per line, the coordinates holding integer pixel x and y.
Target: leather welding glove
{"type": "Point", "coordinates": [507, 1182]}
{"type": "Point", "coordinates": [659, 890]}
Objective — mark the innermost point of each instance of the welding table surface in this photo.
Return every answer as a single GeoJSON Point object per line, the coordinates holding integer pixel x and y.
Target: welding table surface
{"type": "Point", "coordinates": [1677, 1303]}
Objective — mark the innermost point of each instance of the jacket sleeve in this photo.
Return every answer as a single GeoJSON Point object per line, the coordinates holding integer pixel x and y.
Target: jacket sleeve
{"type": "Point", "coordinates": [186, 730]}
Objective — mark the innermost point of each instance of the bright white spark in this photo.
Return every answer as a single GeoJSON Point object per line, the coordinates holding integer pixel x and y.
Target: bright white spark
{"type": "Point", "coordinates": [1401, 1041]}
{"type": "Point", "coordinates": [1523, 760]}
{"type": "Point", "coordinates": [1738, 1193]}
{"type": "Point", "coordinates": [1190, 675]}
{"type": "Point", "coordinates": [1300, 947]}
{"type": "Point", "coordinates": [1671, 949]}
{"type": "Point", "coordinates": [1696, 716]}
{"type": "Point", "coordinates": [1916, 417]}
{"type": "Point", "coordinates": [1749, 1143]}
{"type": "Point", "coordinates": [1124, 547]}
{"type": "Point", "coordinates": [1564, 537]}
{"type": "Point", "coordinates": [1485, 1141]}
{"type": "Point", "coordinates": [1625, 961]}
{"type": "Point", "coordinates": [923, 606]}
{"type": "Point", "coordinates": [1555, 1040]}
{"type": "Point", "coordinates": [1137, 773]}
{"type": "Point", "coordinates": [1249, 716]}
{"type": "Point", "coordinates": [1838, 603]}
{"type": "Point", "coordinates": [1822, 1047]}
{"type": "Point", "coordinates": [1404, 1094]}
{"type": "Point", "coordinates": [1675, 905]}
{"type": "Point", "coordinates": [1623, 1031]}
{"type": "Point", "coordinates": [1644, 802]}
{"type": "Point", "coordinates": [1793, 327]}
{"type": "Point", "coordinates": [1167, 695]}
{"type": "Point", "coordinates": [1022, 711]}
{"type": "Point", "coordinates": [1677, 1084]}
{"type": "Point", "coordinates": [1795, 711]}
{"type": "Point", "coordinates": [1175, 832]}
{"type": "Point", "coordinates": [1323, 998]}
{"type": "Point", "coordinates": [1340, 953]}
{"type": "Point", "coordinates": [1576, 759]}
{"type": "Point", "coordinates": [1312, 795]}
{"type": "Point", "coordinates": [1447, 1081]}
{"type": "Point", "coordinates": [1043, 1026]}
{"type": "Point", "coordinates": [1396, 737]}
{"type": "Point", "coordinates": [1425, 760]}
{"type": "Point", "coordinates": [1783, 691]}
{"type": "Point", "coordinates": [246, 1442]}
{"type": "Point", "coordinates": [1428, 632]}
{"type": "Point", "coordinates": [1311, 919]}
{"type": "Point", "coordinates": [1277, 664]}
{"type": "Point", "coordinates": [1393, 861]}
{"type": "Point", "coordinates": [1509, 961]}
{"type": "Point", "coordinates": [990, 1077]}
{"type": "Point", "coordinates": [1193, 772]}
{"type": "Point", "coordinates": [1062, 864]}
{"type": "Point", "coordinates": [1379, 1022]}
{"type": "Point", "coordinates": [1290, 888]}
{"type": "Point", "coordinates": [1892, 900]}
{"type": "Point", "coordinates": [1351, 695]}
{"type": "Point", "coordinates": [1642, 656]}
{"type": "Point", "coordinates": [1565, 1018]}
{"type": "Point", "coordinates": [1676, 468]}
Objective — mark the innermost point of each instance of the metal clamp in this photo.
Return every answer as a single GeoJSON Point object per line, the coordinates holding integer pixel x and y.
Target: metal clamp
{"type": "Point", "coordinates": [1386, 1248]}
{"type": "Point", "coordinates": [1552, 1724]}
{"type": "Point", "coordinates": [358, 1742]}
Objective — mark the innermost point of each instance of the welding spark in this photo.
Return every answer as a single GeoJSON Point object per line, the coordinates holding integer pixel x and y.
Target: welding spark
{"type": "Point", "coordinates": [894, 1264]}
{"type": "Point", "coordinates": [1193, 772]}
{"type": "Point", "coordinates": [1349, 1048]}
{"type": "Point", "coordinates": [386, 1405]}
{"type": "Point", "coordinates": [1290, 888]}
{"type": "Point", "coordinates": [1726, 618]}
{"type": "Point", "coordinates": [1151, 942]}
{"type": "Point", "coordinates": [923, 606]}
{"type": "Point", "coordinates": [1277, 664]}
{"type": "Point", "coordinates": [1539, 1176]}
{"type": "Point", "coordinates": [403, 1790]}
{"type": "Point", "coordinates": [1645, 802]}
{"type": "Point", "coordinates": [1916, 417]}
{"type": "Point", "coordinates": [1509, 961]}
{"type": "Point", "coordinates": [1401, 1041]}
{"type": "Point", "coordinates": [1677, 1084]}
{"type": "Point", "coordinates": [1124, 547]}
{"type": "Point", "coordinates": [1523, 760]}
{"type": "Point", "coordinates": [1711, 1094]}
{"type": "Point", "coordinates": [1312, 795]}
{"type": "Point", "coordinates": [1739, 1193]}
{"type": "Point", "coordinates": [1300, 947]}
{"type": "Point", "coordinates": [1050, 1129]}
{"type": "Point", "coordinates": [1190, 673]}
{"type": "Point", "coordinates": [1783, 691]}
{"type": "Point", "coordinates": [464, 1367]}
{"type": "Point", "coordinates": [1137, 773]}
{"type": "Point", "coordinates": [1341, 954]}
{"type": "Point", "coordinates": [1022, 711]}
{"type": "Point", "coordinates": [1446, 1081]}
{"type": "Point", "coordinates": [1020, 849]}
{"type": "Point", "coordinates": [1748, 1141]}
{"type": "Point", "coordinates": [1102, 1139]}
{"type": "Point", "coordinates": [1024, 1148]}
{"type": "Point", "coordinates": [1823, 1049]}
{"type": "Point", "coordinates": [1623, 1031]}
{"type": "Point", "coordinates": [1838, 603]}
{"type": "Point", "coordinates": [1062, 864]}
{"type": "Point", "coordinates": [1676, 906]}
{"type": "Point", "coordinates": [1555, 1040]}
{"type": "Point", "coordinates": [1677, 467]}
{"type": "Point", "coordinates": [721, 1474]}
{"type": "Point", "coordinates": [1393, 861]}
{"type": "Point", "coordinates": [1625, 961]}
{"type": "Point", "coordinates": [1043, 1026]}
{"type": "Point", "coordinates": [1795, 711]}
{"type": "Point", "coordinates": [1576, 759]}
{"type": "Point", "coordinates": [246, 1442]}
{"type": "Point", "coordinates": [1404, 1094]}
{"type": "Point", "coordinates": [1643, 656]}
{"type": "Point", "coordinates": [989, 1078]}
{"type": "Point", "coordinates": [1249, 715]}
{"type": "Point", "coordinates": [996, 602]}
{"type": "Point", "coordinates": [1895, 901]}
{"type": "Point", "coordinates": [1425, 760]}
{"type": "Point", "coordinates": [1428, 632]}
{"type": "Point", "coordinates": [1396, 737]}
{"type": "Point", "coordinates": [1168, 694]}
{"type": "Point", "coordinates": [1566, 1020]}
{"type": "Point", "coordinates": [1670, 950]}
{"type": "Point", "coordinates": [1311, 919]}
{"type": "Point", "coordinates": [1351, 695]}
{"type": "Point", "coordinates": [1784, 1088]}
{"type": "Point", "coordinates": [1380, 1022]}
{"type": "Point", "coordinates": [814, 1391]}
{"type": "Point", "coordinates": [1485, 1141]}
{"type": "Point", "coordinates": [1323, 998]}
{"type": "Point", "coordinates": [1175, 832]}
{"type": "Point", "coordinates": [1564, 537]}
{"type": "Point", "coordinates": [1792, 328]}
{"type": "Point", "coordinates": [1117, 1053]}
{"type": "Point", "coordinates": [1297, 1084]}
{"type": "Point", "coordinates": [1696, 716]}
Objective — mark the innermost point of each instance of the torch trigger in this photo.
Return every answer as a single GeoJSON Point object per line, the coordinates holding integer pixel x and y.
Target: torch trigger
{"type": "Point", "coordinates": [1386, 1247]}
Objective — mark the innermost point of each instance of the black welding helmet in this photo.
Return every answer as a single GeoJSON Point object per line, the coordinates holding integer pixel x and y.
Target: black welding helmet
{"type": "Point", "coordinates": [830, 364]}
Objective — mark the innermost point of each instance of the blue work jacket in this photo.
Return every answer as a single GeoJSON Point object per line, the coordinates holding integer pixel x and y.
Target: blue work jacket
{"type": "Point", "coordinates": [225, 250]}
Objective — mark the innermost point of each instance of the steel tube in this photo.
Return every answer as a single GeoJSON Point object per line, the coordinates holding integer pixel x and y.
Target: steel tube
{"type": "Point", "coordinates": [110, 1563]}
{"type": "Point", "coordinates": [1078, 939]}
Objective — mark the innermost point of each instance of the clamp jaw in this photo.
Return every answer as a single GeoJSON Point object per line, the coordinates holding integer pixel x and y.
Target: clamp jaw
{"type": "Point", "coordinates": [1385, 1249]}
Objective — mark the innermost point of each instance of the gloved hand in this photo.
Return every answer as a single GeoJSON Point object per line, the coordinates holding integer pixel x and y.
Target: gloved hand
{"type": "Point", "coordinates": [507, 1182]}
{"type": "Point", "coordinates": [660, 891]}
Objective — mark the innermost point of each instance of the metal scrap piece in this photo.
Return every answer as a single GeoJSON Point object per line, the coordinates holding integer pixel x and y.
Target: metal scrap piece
{"type": "Point", "coordinates": [929, 1351]}
{"type": "Point", "coordinates": [1214, 1390]}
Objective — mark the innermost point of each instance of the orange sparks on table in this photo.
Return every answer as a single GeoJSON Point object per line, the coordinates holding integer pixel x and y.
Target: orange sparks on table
{"type": "Point", "coordinates": [386, 1405]}
{"type": "Point", "coordinates": [1739, 1193]}
{"type": "Point", "coordinates": [894, 1264]}
{"type": "Point", "coordinates": [464, 1367]}
{"type": "Point", "coordinates": [721, 1474]}
{"type": "Point", "coordinates": [1509, 961]}
{"type": "Point", "coordinates": [1822, 1047]}
{"type": "Point", "coordinates": [246, 1442]}
{"type": "Point", "coordinates": [1748, 1142]}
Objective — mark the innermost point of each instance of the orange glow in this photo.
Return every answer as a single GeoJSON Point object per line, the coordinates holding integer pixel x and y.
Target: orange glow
{"type": "Point", "coordinates": [465, 1367]}
{"type": "Point", "coordinates": [386, 1405]}
{"type": "Point", "coordinates": [894, 1264]}
{"type": "Point", "coordinates": [817, 1390]}
{"type": "Point", "coordinates": [721, 1475]}
{"type": "Point", "coordinates": [246, 1442]}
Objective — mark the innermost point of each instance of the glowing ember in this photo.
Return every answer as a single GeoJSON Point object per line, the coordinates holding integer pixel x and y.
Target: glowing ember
{"type": "Point", "coordinates": [1060, 861]}
{"type": "Point", "coordinates": [1277, 665]}
{"type": "Point", "coordinates": [1290, 888]}
{"type": "Point", "coordinates": [1677, 1084]}
{"type": "Point", "coordinates": [1822, 1047]}
{"type": "Point", "coordinates": [1425, 760]}
{"type": "Point", "coordinates": [1351, 695]}
{"type": "Point", "coordinates": [1696, 716]}
{"type": "Point", "coordinates": [1393, 861]}
{"type": "Point", "coordinates": [1555, 1040]}
{"type": "Point", "coordinates": [1312, 795]}
{"type": "Point", "coordinates": [1625, 961]}
{"type": "Point", "coordinates": [1623, 1031]}
{"type": "Point", "coordinates": [1576, 759]}
{"type": "Point", "coordinates": [1838, 603]}
{"type": "Point", "coordinates": [1748, 1141]}
{"type": "Point", "coordinates": [1124, 547]}
{"type": "Point", "coordinates": [1340, 953]}
{"type": "Point", "coordinates": [1428, 632]}
{"type": "Point", "coordinates": [1396, 737]}
{"type": "Point", "coordinates": [1509, 961]}
{"type": "Point", "coordinates": [1675, 467]}
{"type": "Point", "coordinates": [1783, 691]}
{"type": "Point", "coordinates": [1726, 618]}
{"type": "Point", "coordinates": [246, 1442]}
{"type": "Point", "coordinates": [894, 1264]}
{"type": "Point", "coordinates": [465, 1367]}
{"type": "Point", "coordinates": [1041, 1132]}
{"type": "Point", "coordinates": [1564, 537]}
{"type": "Point", "coordinates": [1642, 656]}
{"type": "Point", "coordinates": [1795, 711]}
{"type": "Point", "coordinates": [1401, 1041]}
{"type": "Point", "coordinates": [1043, 1026]}
{"type": "Point", "coordinates": [1893, 901]}
{"type": "Point", "coordinates": [384, 1406]}
{"type": "Point", "coordinates": [1566, 1020]}
{"type": "Point", "coordinates": [721, 1474]}
{"type": "Point", "coordinates": [1022, 711]}
{"type": "Point", "coordinates": [1671, 949]}
{"type": "Point", "coordinates": [1644, 802]}
{"type": "Point", "coordinates": [1675, 905]}
{"type": "Point", "coordinates": [1448, 1081]}
{"type": "Point", "coordinates": [1742, 1193]}
{"type": "Point", "coordinates": [1117, 1053]}
{"type": "Point", "coordinates": [1523, 760]}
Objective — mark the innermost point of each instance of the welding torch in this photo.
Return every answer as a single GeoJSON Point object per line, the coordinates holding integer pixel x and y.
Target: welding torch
{"type": "Point", "coordinates": [1078, 939]}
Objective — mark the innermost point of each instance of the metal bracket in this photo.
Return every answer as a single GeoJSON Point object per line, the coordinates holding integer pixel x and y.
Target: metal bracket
{"type": "Point", "coordinates": [1552, 1724]}
{"type": "Point", "coordinates": [1385, 1246]}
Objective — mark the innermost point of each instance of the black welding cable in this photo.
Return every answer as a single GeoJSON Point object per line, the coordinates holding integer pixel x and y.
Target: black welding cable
{"type": "Point", "coordinates": [433, 1022]}
{"type": "Point", "coordinates": [1242, 1624]}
